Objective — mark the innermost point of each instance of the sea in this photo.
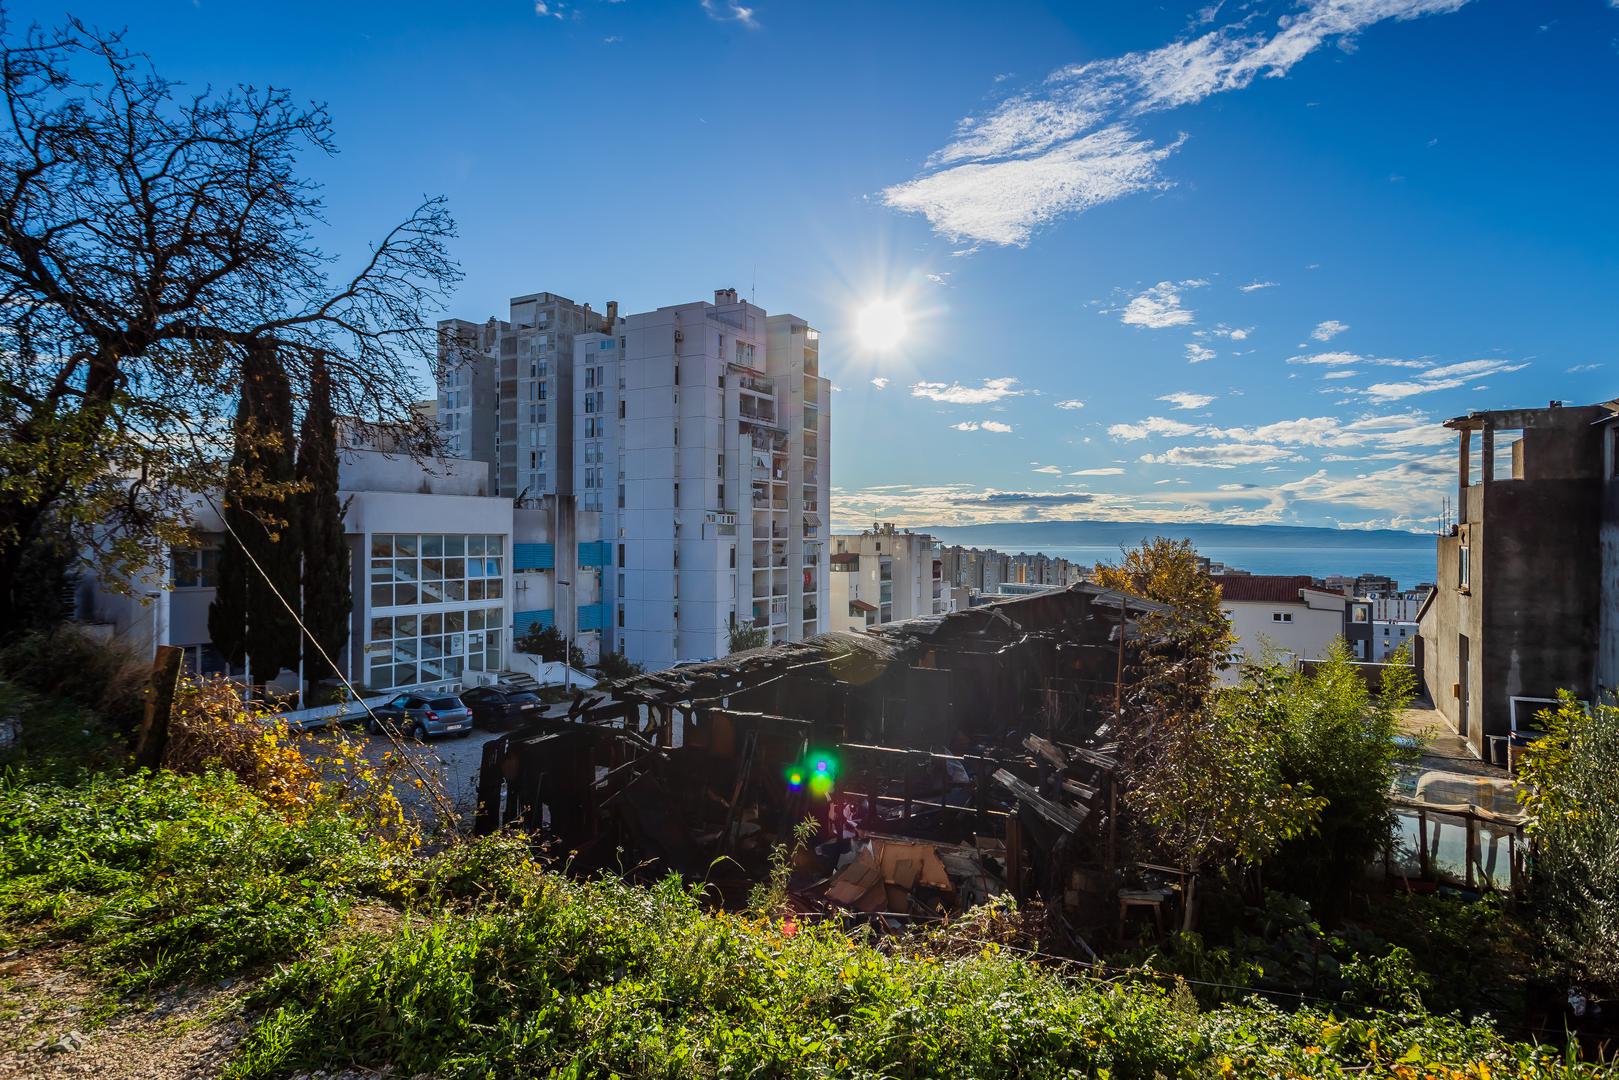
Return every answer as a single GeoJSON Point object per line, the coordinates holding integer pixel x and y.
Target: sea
{"type": "Point", "coordinates": [1409, 565]}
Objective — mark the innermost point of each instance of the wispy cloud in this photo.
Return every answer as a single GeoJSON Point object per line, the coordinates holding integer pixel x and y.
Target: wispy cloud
{"type": "Point", "coordinates": [956, 394]}
{"type": "Point", "coordinates": [1328, 330]}
{"type": "Point", "coordinates": [1196, 354]}
{"type": "Point", "coordinates": [1071, 403]}
{"type": "Point", "coordinates": [983, 425]}
{"type": "Point", "coordinates": [1220, 456]}
{"type": "Point", "coordinates": [1071, 143]}
{"type": "Point", "coordinates": [548, 10]}
{"type": "Point", "coordinates": [1255, 286]}
{"type": "Point", "coordinates": [880, 382]}
{"type": "Point", "coordinates": [1159, 307]}
{"type": "Point", "coordinates": [1448, 377]}
{"type": "Point", "coordinates": [1152, 425]}
{"type": "Point", "coordinates": [1577, 368]}
{"type": "Point", "coordinates": [1349, 359]}
{"type": "Point", "coordinates": [1183, 400]}
{"type": "Point", "coordinates": [1052, 470]}
{"type": "Point", "coordinates": [1110, 470]}
{"type": "Point", "coordinates": [730, 11]}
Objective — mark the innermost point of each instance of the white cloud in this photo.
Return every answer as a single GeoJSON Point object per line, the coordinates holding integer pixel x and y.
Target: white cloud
{"type": "Point", "coordinates": [1220, 456]}
{"type": "Point", "coordinates": [1052, 469]}
{"type": "Point", "coordinates": [956, 394]}
{"type": "Point", "coordinates": [1071, 403]}
{"type": "Point", "coordinates": [1341, 374]}
{"type": "Point", "coordinates": [996, 425]}
{"type": "Point", "coordinates": [982, 425]}
{"type": "Point", "coordinates": [1003, 202]}
{"type": "Point", "coordinates": [880, 382]}
{"type": "Point", "coordinates": [1183, 400]}
{"type": "Point", "coordinates": [1328, 330]}
{"type": "Point", "coordinates": [544, 9]}
{"type": "Point", "coordinates": [1235, 333]}
{"type": "Point", "coordinates": [730, 11]}
{"type": "Point", "coordinates": [1577, 368]}
{"type": "Point", "coordinates": [1255, 286]}
{"type": "Point", "coordinates": [1346, 359]}
{"type": "Point", "coordinates": [1108, 471]}
{"type": "Point", "coordinates": [1070, 144]}
{"type": "Point", "coordinates": [1196, 354]}
{"type": "Point", "coordinates": [1447, 377]}
{"type": "Point", "coordinates": [1159, 307]}
{"type": "Point", "coordinates": [1152, 425]}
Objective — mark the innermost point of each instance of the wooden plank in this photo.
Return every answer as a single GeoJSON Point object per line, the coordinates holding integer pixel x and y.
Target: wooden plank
{"type": "Point", "coordinates": [1068, 819]}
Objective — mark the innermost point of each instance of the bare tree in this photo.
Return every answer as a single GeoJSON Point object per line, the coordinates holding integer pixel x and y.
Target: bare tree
{"type": "Point", "coordinates": [148, 238]}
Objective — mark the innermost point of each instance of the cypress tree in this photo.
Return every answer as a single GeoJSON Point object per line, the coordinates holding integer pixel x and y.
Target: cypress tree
{"type": "Point", "coordinates": [246, 620]}
{"type": "Point", "coordinates": [327, 599]}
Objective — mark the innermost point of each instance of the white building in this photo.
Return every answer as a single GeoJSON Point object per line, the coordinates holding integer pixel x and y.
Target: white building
{"type": "Point", "coordinates": [1389, 634]}
{"type": "Point", "coordinates": [884, 575]}
{"type": "Point", "coordinates": [558, 558]}
{"type": "Point", "coordinates": [429, 551]}
{"type": "Point", "coordinates": [1279, 617]}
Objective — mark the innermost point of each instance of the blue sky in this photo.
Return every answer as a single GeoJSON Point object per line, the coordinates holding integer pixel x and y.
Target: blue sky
{"type": "Point", "coordinates": [1210, 262]}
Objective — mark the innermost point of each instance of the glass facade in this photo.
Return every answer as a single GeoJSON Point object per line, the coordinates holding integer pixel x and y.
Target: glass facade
{"type": "Point", "coordinates": [431, 618]}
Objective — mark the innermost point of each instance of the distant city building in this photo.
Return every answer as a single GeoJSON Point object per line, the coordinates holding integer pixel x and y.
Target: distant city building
{"type": "Point", "coordinates": [884, 575]}
{"type": "Point", "coordinates": [984, 570]}
{"type": "Point", "coordinates": [1527, 602]}
{"type": "Point", "coordinates": [1285, 618]}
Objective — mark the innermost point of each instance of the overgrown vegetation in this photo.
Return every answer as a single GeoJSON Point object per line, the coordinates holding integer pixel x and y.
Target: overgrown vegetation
{"type": "Point", "coordinates": [549, 645]}
{"type": "Point", "coordinates": [496, 966]}
{"type": "Point", "coordinates": [1570, 790]}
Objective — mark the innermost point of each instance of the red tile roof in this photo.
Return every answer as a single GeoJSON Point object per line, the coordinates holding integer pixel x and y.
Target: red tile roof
{"type": "Point", "coordinates": [1262, 588]}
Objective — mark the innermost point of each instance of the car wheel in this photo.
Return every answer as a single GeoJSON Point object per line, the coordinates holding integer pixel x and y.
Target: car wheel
{"type": "Point", "coordinates": [374, 726]}
{"type": "Point", "coordinates": [418, 732]}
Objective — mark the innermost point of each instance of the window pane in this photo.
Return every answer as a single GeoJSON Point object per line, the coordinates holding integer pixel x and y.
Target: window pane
{"type": "Point", "coordinates": [405, 569]}
{"type": "Point", "coordinates": [491, 589]}
{"type": "Point", "coordinates": [455, 590]}
{"type": "Point", "coordinates": [382, 546]}
{"type": "Point", "coordinates": [404, 674]}
{"type": "Point", "coordinates": [455, 545]}
{"type": "Point", "coordinates": [455, 568]}
{"type": "Point", "coordinates": [381, 629]}
{"type": "Point", "coordinates": [455, 621]}
{"type": "Point", "coordinates": [405, 626]}
{"type": "Point", "coordinates": [452, 667]}
{"type": "Point", "coordinates": [382, 674]}
{"type": "Point", "coordinates": [404, 594]}
{"type": "Point", "coordinates": [475, 545]}
{"type": "Point", "coordinates": [382, 570]}
{"type": "Point", "coordinates": [475, 589]}
{"type": "Point", "coordinates": [492, 545]}
{"type": "Point", "coordinates": [382, 596]}
{"type": "Point", "coordinates": [432, 569]}
{"type": "Point", "coordinates": [432, 545]}
{"type": "Point", "coordinates": [475, 619]}
{"type": "Point", "coordinates": [405, 544]}
{"type": "Point", "coordinates": [432, 624]}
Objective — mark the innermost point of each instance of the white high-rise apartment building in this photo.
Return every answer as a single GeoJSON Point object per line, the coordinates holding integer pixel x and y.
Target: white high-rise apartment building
{"type": "Point", "coordinates": [885, 575]}
{"type": "Point", "coordinates": [700, 433]}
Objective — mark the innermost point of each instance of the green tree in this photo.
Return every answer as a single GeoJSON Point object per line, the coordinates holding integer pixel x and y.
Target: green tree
{"type": "Point", "coordinates": [259, 554]}
{"type": "Point", "coordinates": [744, 636]}
{"type": "Point", "coordinates": [1568, 782]}
{"type": "Point", "coordinates": [148, 237]}
{"type": "Point", "coordinates": [1338, 739]}
{"type": "Point", "coordinates": [326, 591]}
{"type": "Point", "coordinates": [549, 645]}
{"type": "Point", "coordinates": [615, 665]}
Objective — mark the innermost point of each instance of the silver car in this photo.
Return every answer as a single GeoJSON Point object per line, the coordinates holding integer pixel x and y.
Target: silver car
{"type": "Point", "coordinates": [421, 717]}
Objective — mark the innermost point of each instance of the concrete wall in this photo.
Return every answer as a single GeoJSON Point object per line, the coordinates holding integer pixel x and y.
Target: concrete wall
{"type": "Point", "coordinates": [1315, 626]}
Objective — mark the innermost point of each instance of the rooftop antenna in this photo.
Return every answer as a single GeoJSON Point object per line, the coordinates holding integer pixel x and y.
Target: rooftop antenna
{"type": "Point", "coordinates": [753, 287]}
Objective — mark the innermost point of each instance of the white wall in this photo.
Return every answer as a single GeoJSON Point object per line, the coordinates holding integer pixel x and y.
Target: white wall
{"type": "Point", "coordinates": [1310, 633]}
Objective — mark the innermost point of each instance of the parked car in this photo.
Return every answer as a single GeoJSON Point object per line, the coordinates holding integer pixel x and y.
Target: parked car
{"type": "Point", "coordinates": [498, 707]}
{"type": "Point", "coordinates": [421, 717]}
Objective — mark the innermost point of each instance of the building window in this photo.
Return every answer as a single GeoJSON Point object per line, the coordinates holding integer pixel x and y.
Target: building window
{"type": "Point", "coordinates": [431, 646]}
{"type": "Point", "coordinates": [1464, 569]}
{"type": "Point", "coordinates": [408, 569]}
{"type": "Point", "coordinates": [621, 561]}
{"type": "Point", "coordinates": [194, 568]}
{"type": "Point", "coordinates": [1281, 616]}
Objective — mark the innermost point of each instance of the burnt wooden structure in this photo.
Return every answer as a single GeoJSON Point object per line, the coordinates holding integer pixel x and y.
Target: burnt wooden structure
{"type": "Point", "coordinates": [991, 722]}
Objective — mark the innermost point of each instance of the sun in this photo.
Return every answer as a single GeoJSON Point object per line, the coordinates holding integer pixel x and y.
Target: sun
{"type": "Point", "coordinates": [882, 325]}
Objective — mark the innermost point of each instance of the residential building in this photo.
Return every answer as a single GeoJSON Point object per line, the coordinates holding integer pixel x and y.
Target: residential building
{"type": "Point", "coordinates": [698, 434]}
{"type": "Point", "coordinates": [702, 437]}
{"type": "Point", "coordinates": [1279, 617]}
{"type": "Point", "coordinates": [429, 549]}
{"type": "Point", "coordinates": [884, 575]}
{"type": "Point", "coordinates": [1525, 603]}
{"type": "Point", "coordinates": [558, 564]}
{"type": "Point", "coordinates": [505, 392]}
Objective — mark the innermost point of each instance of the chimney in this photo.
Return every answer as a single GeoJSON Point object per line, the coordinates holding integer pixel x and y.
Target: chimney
{"type": "Point", "coordinates": [724, 296]}
{"type": "Point", "coordinates": [610, 321]}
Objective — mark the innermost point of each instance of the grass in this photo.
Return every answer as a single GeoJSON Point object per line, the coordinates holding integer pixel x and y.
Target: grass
{"type": "Point", "coordinates": [489, 965]}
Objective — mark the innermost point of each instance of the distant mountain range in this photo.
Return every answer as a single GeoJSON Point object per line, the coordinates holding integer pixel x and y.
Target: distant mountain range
{"type": "Point", "coordinates": [1035, 535]}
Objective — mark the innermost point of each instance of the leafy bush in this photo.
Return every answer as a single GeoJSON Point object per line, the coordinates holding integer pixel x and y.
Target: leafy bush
{"type": "Point", "coordinates": [1569, 785]}
{"type": "Point", "coordinates": [67, 664]}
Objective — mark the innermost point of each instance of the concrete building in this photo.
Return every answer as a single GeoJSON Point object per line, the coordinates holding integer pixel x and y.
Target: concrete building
{"type": "Point", "coordinates": [429, 548]}
{"type": "Point", "coordinates": [505, 395]}
{"type": "Point", "coordinates": [702, 437]}
{"type": "Point", "coordinates": [558, 563]}
{"type": "Point", "coordinates": [1279, 617]}
{"type": "Point", "coordinates": [1526, 595]}
{"type": "Point", "coordinates": [884, 575]}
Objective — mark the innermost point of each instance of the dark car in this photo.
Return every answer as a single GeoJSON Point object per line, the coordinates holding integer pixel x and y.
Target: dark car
{"type": "Point", "coordinates": [497, 707]}
{"type": "Point", "coordinates": [420, 716]}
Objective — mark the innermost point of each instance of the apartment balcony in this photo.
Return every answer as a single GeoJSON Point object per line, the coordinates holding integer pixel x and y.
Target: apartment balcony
{"type": "Point", "coordinates": [811, 446]}
{"type": "Point", "coordinates": [810, 614]}
{"type": "Point", "coordinates": [759, 384]}
{"type": "Point", "coordinates": [757, 413]}
{"type": "Point", "coordinates": [778, 504]}
{"type": "Point", "coordinates": [812, 506]}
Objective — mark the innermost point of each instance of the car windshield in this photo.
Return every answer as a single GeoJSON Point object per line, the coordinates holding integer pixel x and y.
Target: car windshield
{"type": "Point", "coordinates": [522, 697]}
{"type": "Point", "coordinates": [446, 703]}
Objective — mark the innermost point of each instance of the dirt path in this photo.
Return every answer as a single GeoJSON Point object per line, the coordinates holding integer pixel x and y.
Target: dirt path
{"type": "Point", "coordinates": [55, 1022]}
